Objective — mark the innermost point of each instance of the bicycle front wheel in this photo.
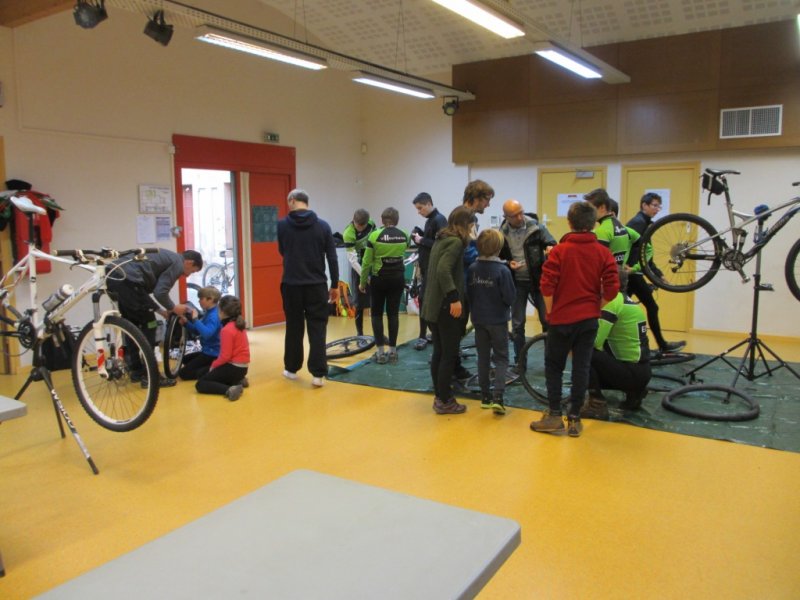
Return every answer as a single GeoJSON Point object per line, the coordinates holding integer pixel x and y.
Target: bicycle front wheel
{"type": "Point", "coordinates": [114, 401]}
{"type": "Point", "coordinates": [686, 252]}
{"type": "Point", "coordinates": [530, 366]}
{"type": "Point", "coordinates": [174, 346]}
{"type": "Point", "coordinates": [793, 269]}
{"type": "Point", "coordinates": [215, 276]}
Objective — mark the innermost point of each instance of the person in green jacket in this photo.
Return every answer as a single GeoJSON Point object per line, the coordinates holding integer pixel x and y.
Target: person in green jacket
{"type": "Point", "coordinates": [610, 231]}
{"type": "Point", "coordinates": [621, 357]}
{"type": "Point", "coordinates": [443, 306]}
{"type": "Point", "coordinates": [355, 237]}
{"type": "Point", "coordinates": [383, 269]}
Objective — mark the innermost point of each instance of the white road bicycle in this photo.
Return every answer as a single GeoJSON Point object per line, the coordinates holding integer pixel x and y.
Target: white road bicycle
{"type": "Point", "coordinates": [101, 354]}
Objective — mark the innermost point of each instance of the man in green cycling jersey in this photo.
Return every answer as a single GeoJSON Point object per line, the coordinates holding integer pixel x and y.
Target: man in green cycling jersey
{"type": "Point", "coordinates": [355, 242]}
{"type": "Point", "coordinates": [621, 357]}
{"type": "Point", "coordinates": [609, 231]}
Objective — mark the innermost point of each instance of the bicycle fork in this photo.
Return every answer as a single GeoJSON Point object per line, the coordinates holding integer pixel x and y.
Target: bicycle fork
{"type": "Point", "coordinates": [101, 343]}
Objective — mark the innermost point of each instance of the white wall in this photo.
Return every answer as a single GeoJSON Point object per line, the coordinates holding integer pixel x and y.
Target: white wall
{"type": "Point", "coordinates": [89, 115]}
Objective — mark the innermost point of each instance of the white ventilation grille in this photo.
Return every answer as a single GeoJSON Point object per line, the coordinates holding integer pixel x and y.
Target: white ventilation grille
{"type": "Point", "coordinates": [752, 121]}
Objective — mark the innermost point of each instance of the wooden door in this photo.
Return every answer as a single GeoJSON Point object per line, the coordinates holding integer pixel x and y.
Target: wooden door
{"type": "Point", "coordinates": [678, 185]}
{"type": "Point", "coordinates": [266, 204]}
{"type": "Point", "coordinates": [558, 188]}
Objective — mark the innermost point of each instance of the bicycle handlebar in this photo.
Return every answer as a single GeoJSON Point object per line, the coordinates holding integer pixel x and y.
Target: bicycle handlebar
{"type": "Point", "coordinates": [104, 253]}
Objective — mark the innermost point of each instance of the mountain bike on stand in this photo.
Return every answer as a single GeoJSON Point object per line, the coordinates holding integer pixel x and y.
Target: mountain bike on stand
{"type": "Point", "coordinates": [99, 365]}
{"type": "Point", "coordinates": [687, 251]}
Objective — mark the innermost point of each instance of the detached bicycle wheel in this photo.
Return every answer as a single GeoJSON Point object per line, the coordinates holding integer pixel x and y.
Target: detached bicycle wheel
{"type": "Point", "coordinates": [349, 346]}
{"type": "Point", "coordinates": [530, 366]}
{"type": "Point", "coordinates": [115, 401]}
{"type": "Point", "coordinates": [174, 348]}
{"type": "Point", "coordinates": [793, 269]}
{"type": "Point", "coordinates": [686, 252]}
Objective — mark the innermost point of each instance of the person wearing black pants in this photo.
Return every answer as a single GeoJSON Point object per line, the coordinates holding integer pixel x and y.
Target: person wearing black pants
{"type": "Point", "coordinates": [638, 286]}
{"type": "Point", "coordinates": [306, 244]}
{"type": "Point", "coordinates": [434, 222]}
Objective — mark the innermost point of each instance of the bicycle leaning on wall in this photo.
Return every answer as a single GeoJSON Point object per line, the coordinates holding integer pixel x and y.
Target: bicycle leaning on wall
{"type": "Point", "coordinates": [100, 372]}
{"type": "Point", "coordinates": [221, 276]}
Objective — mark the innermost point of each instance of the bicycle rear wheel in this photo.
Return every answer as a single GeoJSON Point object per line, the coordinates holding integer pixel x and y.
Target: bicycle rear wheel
{"type": "Point", "coordinates": [686, 255]}
{"type": "Point", "coordinates": [174, 346]}
{"type": "Point", "coordinates": [530, 367]}
{"type": "Point", "coordinates": [115, 402]}
{"type": "Point", "coordinates": [793, 269]}
{"type": "Point", "coordinates": [215, 276]}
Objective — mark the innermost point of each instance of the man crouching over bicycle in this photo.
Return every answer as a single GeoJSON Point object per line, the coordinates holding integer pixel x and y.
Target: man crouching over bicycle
{"type": "Point", "coordinates": [136, 286]}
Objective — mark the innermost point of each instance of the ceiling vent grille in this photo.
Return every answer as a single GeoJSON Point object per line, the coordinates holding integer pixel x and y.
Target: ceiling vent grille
{"type": "Point", "coordinates": [752, 121]}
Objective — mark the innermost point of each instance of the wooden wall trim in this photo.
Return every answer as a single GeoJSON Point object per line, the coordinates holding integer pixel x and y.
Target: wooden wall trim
{"type": "Point", "coordinates": [526, 108]}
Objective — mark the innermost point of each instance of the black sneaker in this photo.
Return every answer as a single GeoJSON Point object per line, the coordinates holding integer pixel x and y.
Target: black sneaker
{"type": "Point", "coordinates": [421, 344]}
{"type": "Point", "coordinates": [486, 401]}
{"type": "Point", "coordinates": [574, 426]}
{"type": "Point", "coordinates": [672, 346]}
{"type": "Point", "coordinates": [163, 382]}
{"type": "Point", "coordinates": [498, 407]}
{"type": "Point", "coordinates": [633, 400]}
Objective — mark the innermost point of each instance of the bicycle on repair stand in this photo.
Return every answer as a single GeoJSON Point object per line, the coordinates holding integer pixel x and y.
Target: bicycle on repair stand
{"type": "Point", "coordinates": [99, 365]}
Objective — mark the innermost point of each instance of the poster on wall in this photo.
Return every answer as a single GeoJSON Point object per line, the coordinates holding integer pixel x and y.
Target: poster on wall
{"type": "Point", "coordinates": [151, 229]}
{"type": "Point", "coordinates": [564, 201]}
{"type": "Point", "coordinates": [665, 194]}
{"type": "Point", "coordinates": [155, 199]}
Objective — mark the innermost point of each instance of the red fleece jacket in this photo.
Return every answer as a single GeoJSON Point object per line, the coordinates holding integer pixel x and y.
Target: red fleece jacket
{"type": "Point", "coordinates": [578, 272]}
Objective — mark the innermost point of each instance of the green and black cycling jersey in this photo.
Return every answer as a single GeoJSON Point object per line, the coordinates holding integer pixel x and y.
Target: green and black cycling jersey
{"type": "Point", "coordinates": [616, 237]}
{"type": "Point", "coordinates": [384, 254]}
{"type": "Point", "coordinates": [622, 331]}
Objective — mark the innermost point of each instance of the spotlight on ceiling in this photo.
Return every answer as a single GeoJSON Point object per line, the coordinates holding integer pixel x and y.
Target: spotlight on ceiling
{"type": "Point", "coordinates": [88, 14]}
{"type": "Point", "coordinates": [450, 105]}
{"type": "Point", "coordinates": [158, 29]}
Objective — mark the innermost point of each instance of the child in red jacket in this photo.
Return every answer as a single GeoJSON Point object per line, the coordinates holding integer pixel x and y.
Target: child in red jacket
{"type": "Point", "coordinates": [229, 370]}
{"type": "Point", "coordinates": [578, 277]}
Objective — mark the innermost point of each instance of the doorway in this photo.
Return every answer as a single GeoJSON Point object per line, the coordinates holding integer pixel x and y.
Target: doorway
{"type": "Point", "coordinates": [253, 188]}
{"type": "Point", "coordinates": [558, 188]}
{"type": "Point", "coordinates": [677, 184]}
{"type": "Point", "coordinates": [209, 218]}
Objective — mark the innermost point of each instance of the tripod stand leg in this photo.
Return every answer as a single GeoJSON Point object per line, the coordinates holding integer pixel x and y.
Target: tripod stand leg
{"type": "Point", "coordinates": [35, 375]}
{"type": "Point", "coordinates": [60, 410]}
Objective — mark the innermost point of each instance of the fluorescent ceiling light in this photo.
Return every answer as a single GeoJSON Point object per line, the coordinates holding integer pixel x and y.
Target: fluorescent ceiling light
{"type": "Point", "coordinates": [485, 17]}
{"type": "Point", "coordinates": [568, 61]}
{"type": "Point", "coordinates": [260, 48]}
{"type": "Point", "coordinates": [392, 85]}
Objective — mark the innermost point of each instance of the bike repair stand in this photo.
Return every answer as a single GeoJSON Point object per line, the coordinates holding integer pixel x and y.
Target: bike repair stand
{"type": "Point", "coordinates": [754, 345]}
{"type": "Point", "coordinates": [41, 373]}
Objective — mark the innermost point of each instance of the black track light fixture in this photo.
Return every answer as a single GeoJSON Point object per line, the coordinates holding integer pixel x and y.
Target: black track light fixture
{"type": "Point", "coordinates": [158, 29]}
{"type": "Point", "coordinates": [88, 14]}
{"type": "Point", "coordinates": [450, 105]}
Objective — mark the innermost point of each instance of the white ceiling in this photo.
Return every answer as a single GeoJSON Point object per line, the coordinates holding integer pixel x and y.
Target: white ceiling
{"type": "Point", "coordinates": [422, 38]}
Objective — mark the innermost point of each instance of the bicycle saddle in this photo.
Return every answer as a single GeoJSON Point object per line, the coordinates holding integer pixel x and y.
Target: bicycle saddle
{"type": "Point", "coordinates": [717, 172]}
{"type": "Point", "coordinates": [26, 205]}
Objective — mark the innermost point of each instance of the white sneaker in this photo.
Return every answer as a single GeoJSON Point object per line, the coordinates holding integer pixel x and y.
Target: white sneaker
{"type": "Point", "coordinates": [290, 375]}
{"type": "Point", "coordinates": [317, 381]}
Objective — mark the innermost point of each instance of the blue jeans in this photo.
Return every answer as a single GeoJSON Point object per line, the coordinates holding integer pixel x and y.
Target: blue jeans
{"type": "Point", "coordinates": [577, 338]}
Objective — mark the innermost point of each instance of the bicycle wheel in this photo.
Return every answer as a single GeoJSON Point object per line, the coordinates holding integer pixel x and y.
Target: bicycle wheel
{"type": "Point", "coordinates": [685, 255]}
{"type": "Point", "coordinates": [793, 269]}
{"type": "Point", "coordinates": [670, 358]}
{"type": "Point", "coordinates": [215, 276]}
{"type": "Point", "coordinates": [349, 346]}
{"type": "Point", "coordinates": [530, 367]}
{"type": "Point", "coordinates": [174, 348]}
{"type": "Point", "coordinates": [114, 402]}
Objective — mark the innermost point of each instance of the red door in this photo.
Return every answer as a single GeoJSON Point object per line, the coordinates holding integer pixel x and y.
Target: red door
{"type": "Point", "coordinates": [268, 193]}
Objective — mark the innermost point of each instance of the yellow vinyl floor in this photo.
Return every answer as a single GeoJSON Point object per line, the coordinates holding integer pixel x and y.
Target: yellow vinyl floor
{"type": "Point", "coordinates": [621, 512]}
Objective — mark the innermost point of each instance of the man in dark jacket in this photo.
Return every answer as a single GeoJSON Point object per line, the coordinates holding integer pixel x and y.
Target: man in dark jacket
{"type": "Point", "coordinates": [638, 286]}
{"type": "Point", "coordinates": [306, 242]}
{"type": "Point", "coordinates": [143, 281]}
{"type": "Point", "coordinates": [526, 244]}
{"type": "Point", "coordinates": [434, 222]}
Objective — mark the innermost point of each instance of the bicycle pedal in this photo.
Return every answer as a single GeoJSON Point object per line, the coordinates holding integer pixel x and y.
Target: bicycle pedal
{"type": "Point", "coordinates": [766, 287]}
